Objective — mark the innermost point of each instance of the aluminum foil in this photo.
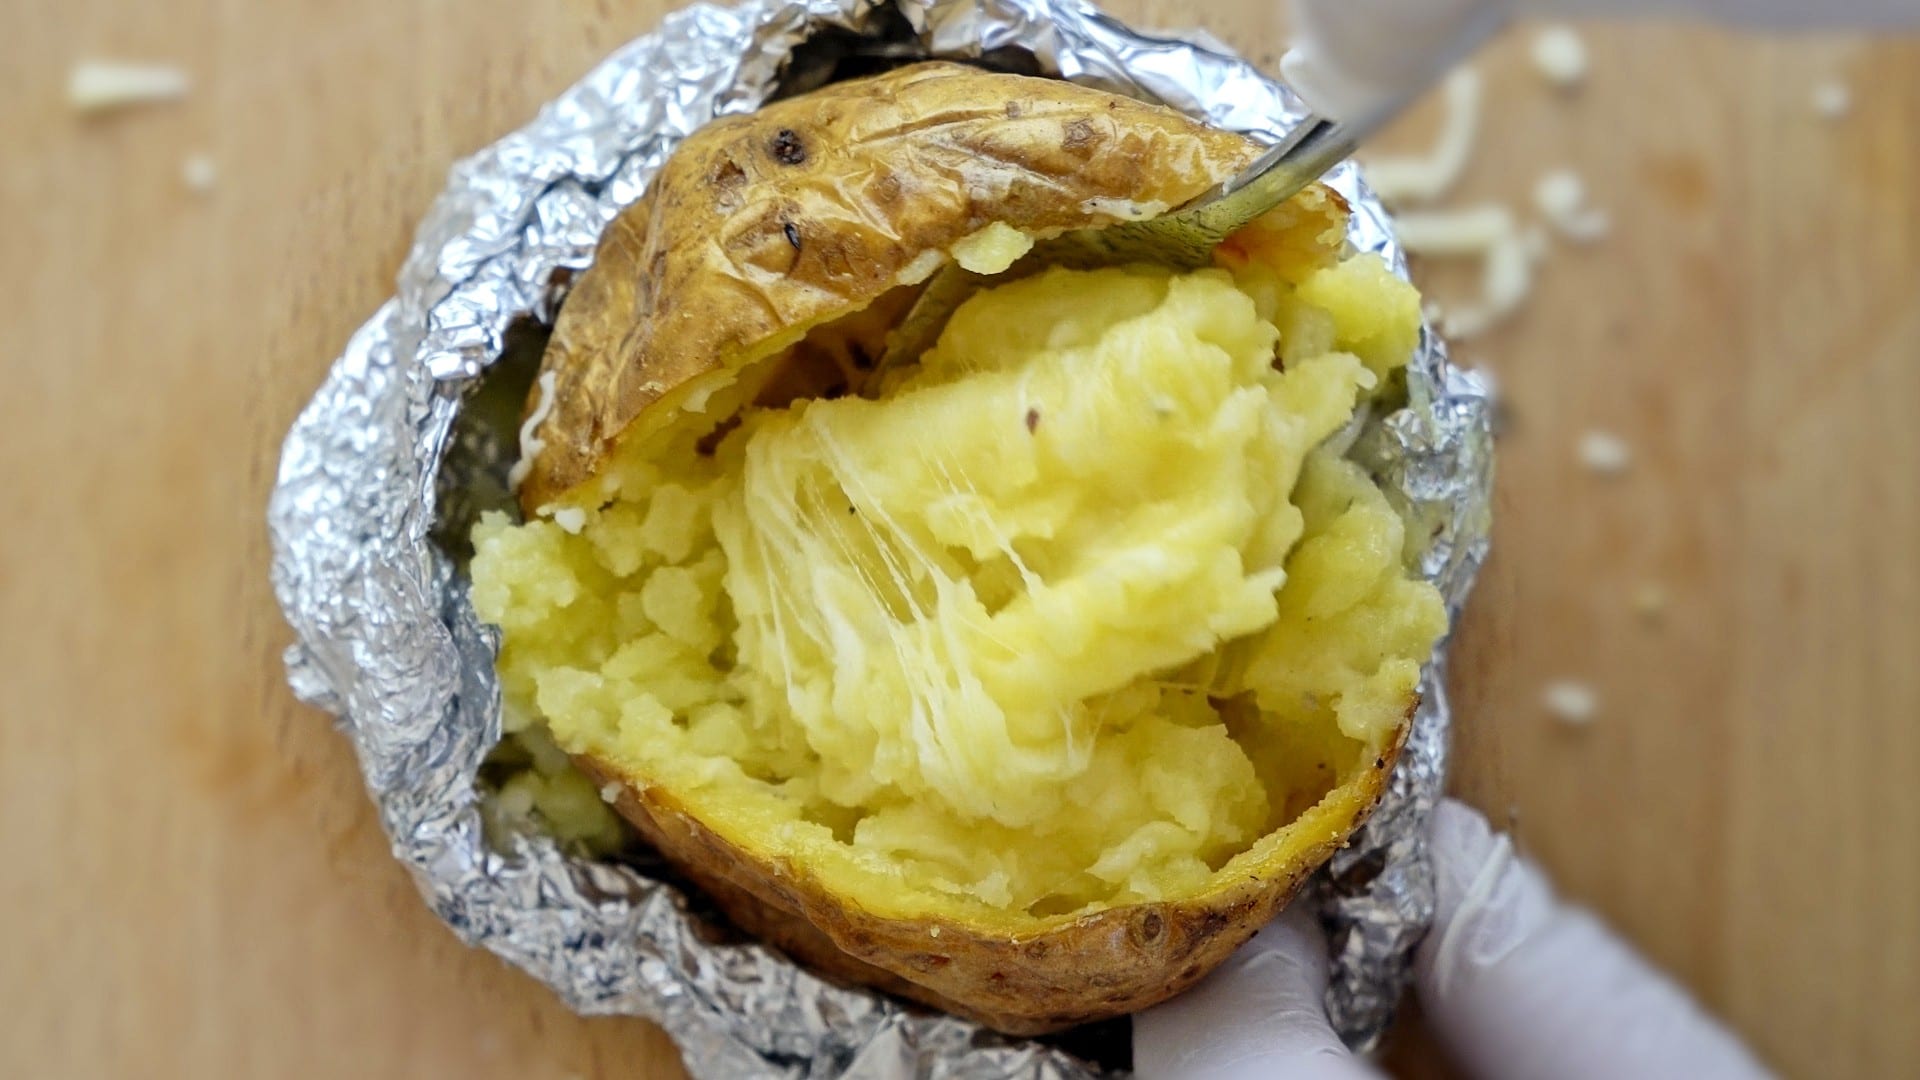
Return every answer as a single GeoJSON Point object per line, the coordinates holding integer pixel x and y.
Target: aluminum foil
{"type": "Point", "coordinates": [381, 472]}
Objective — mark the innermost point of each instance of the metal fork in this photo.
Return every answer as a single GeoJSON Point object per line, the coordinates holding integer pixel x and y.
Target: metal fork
{"type": "Point", "coordinates": [1183, 239]}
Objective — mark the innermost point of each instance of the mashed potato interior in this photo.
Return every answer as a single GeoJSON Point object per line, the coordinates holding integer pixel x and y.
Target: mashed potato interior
{"type": "Point", "coordinates": [1066, 615]}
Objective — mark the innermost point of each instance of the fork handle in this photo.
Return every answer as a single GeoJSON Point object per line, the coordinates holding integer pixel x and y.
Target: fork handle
{"type": "Point", "coordinates": [1357, 60]}
{"type": "Point", "coordinates": [1309, 151]}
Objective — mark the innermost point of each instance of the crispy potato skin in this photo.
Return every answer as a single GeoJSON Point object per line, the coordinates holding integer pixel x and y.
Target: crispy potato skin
{"type": "Point", "coordinates": [763, 226]}
{"type": "Point", "coordinates": [809, 209]}
{"type": "Point", "coordinates": [1094, 967]}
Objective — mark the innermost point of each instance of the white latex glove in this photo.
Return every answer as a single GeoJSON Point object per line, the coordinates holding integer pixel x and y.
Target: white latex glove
{"type": "Point", "coordinates": [1518, 985]}
{"type": "Point", "coordinates": [1353, 60]}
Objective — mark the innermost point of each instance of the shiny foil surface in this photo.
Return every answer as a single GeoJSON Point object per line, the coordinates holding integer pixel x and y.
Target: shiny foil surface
{"type": "Point", "coordinates": [383, 471]}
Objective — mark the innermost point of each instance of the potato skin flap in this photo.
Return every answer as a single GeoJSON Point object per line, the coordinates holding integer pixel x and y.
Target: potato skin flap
{"type": "Point", "coordinates": [809, 209]}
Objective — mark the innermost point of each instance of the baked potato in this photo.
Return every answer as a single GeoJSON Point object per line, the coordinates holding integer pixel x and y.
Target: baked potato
{"type": "Point", "coordinates": [1025, 678]}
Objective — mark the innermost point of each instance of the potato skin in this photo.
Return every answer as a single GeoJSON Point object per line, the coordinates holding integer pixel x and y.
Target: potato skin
{"type": "Point", "coordinates": [763, 226]}
{"type": "Point", "coordinates": [1093, 967]}
{"type": "Point", "coordinates": [760, 226]}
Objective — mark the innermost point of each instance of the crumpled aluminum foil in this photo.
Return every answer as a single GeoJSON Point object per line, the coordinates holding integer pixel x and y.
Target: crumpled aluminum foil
{"type": "Point", "coordinates": [379, 462]}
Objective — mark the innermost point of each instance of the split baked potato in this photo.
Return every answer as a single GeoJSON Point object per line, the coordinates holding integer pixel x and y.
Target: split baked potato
{"type": "Point", "coordinates": [1027, 677]}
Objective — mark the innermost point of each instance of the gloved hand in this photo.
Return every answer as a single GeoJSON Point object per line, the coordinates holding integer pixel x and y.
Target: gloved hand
{"type": "Point", "coordinates": [1518, 986]}
{"type": "Point", "coordinates": [1355, 61]}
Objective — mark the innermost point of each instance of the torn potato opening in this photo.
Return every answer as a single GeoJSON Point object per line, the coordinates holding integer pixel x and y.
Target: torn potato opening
{"type": "Point", "coordinates": [1073, 612]}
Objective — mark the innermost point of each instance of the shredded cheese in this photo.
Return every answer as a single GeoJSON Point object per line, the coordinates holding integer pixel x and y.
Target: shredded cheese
{"type": "Point", "coordinates": [1560, 56]}
{"type": "Point", "coordinates": [1506, 282]}
{"type": "Point", "coordinates": [1428, 177]}
{"type": "Point", "coordinates": [1509, 252]}
{"type": "Point", "coordinates": [102, 85]}
{"type": "Point", "coordinates": [1461, 945]}
{"type": "Point", "coordinates": [1570, 702]}
{"type": "Point", "coordinates": [1605, 453]}
{"type": "Point", "coordinates": [531, 444]}
{"type": "Point", "coordinates": [1454, 233]}
{"type": "Point", "coordinates": [1489, 233]}
{"type": "Point", "coordinates": [1561, 198]}
{"type": "Point", "coordinates": [1833, 99]}
{"type": "Point", "coordinates": [199, 173]}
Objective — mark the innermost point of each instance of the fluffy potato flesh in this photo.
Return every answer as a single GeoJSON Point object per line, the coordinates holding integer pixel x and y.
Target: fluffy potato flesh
{"type": "Point", "coordinates": [1073, 613]}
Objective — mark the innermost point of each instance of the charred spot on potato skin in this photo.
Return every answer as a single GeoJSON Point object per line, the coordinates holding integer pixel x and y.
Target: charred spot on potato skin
{"type": "Point", "coordinates": [793, 234]}
{"type": "Point", "coordinates": [787, 147]}
{"type": "Point", "coordinates": [1013, 110]}
{"type": "Point", "coordinates": [1152, 925]}
{"type": "Point", "coordinates": [1211, 923]}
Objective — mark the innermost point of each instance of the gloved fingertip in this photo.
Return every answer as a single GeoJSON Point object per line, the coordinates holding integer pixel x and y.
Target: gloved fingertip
{"type": "Point", "coordinates": [1521, 986]}
{"type": "Point", "coordinates": [1462, 841]}
{"type": "Point", "coordinates": [1262, 1014]}
{"type": "Point", "coordinates": [1296, 933]}
{"type": "Point", "coordinates": [1460, 828]}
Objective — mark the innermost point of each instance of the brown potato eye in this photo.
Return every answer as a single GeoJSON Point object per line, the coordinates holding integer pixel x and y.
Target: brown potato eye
{"type": "Point", "coordinates": [787, 147]}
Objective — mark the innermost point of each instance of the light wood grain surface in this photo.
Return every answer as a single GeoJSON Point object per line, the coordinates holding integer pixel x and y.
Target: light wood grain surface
{"type": "Point", "coordinates": [194, 885]}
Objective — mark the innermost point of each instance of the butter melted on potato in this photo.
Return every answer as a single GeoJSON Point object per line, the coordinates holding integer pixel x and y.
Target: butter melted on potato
{"type": "Point", "coordinates": [1067, 615]}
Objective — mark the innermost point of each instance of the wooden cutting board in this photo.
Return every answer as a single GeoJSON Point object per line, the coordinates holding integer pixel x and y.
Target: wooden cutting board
{"type": "Point", "coordinates": [195, 885]}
